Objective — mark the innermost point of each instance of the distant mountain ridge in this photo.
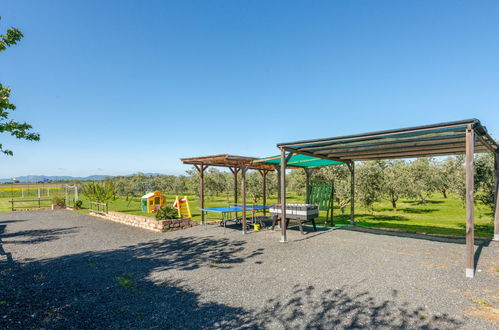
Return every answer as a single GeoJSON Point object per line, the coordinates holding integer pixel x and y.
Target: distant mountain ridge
{"type": "Point", "coordinates": [40, 178]}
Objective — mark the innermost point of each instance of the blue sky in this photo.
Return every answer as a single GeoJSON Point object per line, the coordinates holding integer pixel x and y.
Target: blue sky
{"type": "Point", "coordinates": [116, 87]}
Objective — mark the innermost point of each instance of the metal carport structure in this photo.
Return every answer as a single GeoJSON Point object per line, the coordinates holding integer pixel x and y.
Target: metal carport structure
{"type": "Point", "coordinates": [442, 139]}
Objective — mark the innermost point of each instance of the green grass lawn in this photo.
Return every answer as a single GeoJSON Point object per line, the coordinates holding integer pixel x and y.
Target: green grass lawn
{"type": "Point", "coordinates": [437, 216]}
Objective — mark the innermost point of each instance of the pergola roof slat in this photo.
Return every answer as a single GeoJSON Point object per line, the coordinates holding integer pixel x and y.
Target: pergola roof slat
{"type": "Point", "coordinates": [457, 125]}
{"type": "Point", "coordinates": [412, 154]}
{"type": "Point", "coordinates": [392, 145]}
{"type": "Point", "coordinates": [229, 161]}
{"type": "Point", "coordinates": [430, 140]}
{"type": "Point", "coordinates": [388, 140]}
{"type": "Point", "coordinates": [393, 149]}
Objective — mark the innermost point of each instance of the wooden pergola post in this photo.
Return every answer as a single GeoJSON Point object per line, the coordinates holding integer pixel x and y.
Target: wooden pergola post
{"type": "Point", "coordinates": [284, 239]}
{"type": "Point", "coordinates": [470, 212]}
{"type": "Point", "coordinates": [243, 198]}
{"type": "Point", "coordinates": [278, 171]}
{"type": "Point", "coordinates": [284, 161]}
{"type": "Point", "coordinates": [201, 169]}
{"type": "Point", "coordinates": [496, 213]}
{"type": "Point", "coordinates": [351, 166]}
{"type": "Point", "coordinates": [264, 197]}
{"type": "Point", "coordinates": [235, 171]}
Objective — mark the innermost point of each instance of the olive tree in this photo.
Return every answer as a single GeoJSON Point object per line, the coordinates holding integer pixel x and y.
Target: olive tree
{"type": "Point", "coordinates": [297, 182]}
{"type": "Point", "coordinates": [395, 180]}
{"type": "Point", "coordinates": [422, 179]}
{"type": "Point", "coordinates": [450, 175]}
{"type": "Point", "coordinates": [369, 183]}
{"type": "Point", "coordinates": [484, 179]}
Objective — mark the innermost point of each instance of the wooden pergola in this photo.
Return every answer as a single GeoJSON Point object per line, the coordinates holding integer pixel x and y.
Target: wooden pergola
{"type": "Point", "coordinates": [235, 164]}
{"type": "Point", "coordinates": [452, 138]}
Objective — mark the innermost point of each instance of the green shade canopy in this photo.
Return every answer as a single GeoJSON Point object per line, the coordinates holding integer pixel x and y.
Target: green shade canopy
{"type": "Point", "coordinates": [299, 161]}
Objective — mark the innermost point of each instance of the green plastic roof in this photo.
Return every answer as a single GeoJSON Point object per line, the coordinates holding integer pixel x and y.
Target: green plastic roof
{"type": "Point", "coordinates": [299, 161]}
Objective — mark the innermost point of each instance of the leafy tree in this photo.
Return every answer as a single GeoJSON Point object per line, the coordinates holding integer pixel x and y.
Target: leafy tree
{"type": "Point", "coordinates": [16, 129]}
{"type": "Point", "coordinates": [254, 187]}
{"type": "Point", "coordinates": [297, 182]}
{"type": "Point", "coordinates": [422, 175]}
{"type": "Point", "coordinates": [484, 179]}
{"type": "Point", "coordinates": [216, 182]}
{"type": "Point", "coordinates": [369, 183]}
{"type": "Point", "coordinates": [395, 180]}
{"type": "Point", "coordinates": [100, 191]}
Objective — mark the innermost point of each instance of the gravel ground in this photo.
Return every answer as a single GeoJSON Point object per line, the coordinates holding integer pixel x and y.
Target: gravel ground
{"type": "Point", "coordinates": [60, 269]}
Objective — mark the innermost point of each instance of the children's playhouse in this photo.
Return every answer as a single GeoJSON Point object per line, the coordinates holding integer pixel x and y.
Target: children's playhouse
{"type": "Point", "coordinates": [151, 202]}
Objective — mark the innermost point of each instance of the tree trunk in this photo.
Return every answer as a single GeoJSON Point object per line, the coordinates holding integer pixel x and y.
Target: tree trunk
{"type": "Point", "coordinates": [423, 200]}
{"type": "Point", "coordinates": [444, 192]}
{"type": "Point", "coordinates": [394, 205]}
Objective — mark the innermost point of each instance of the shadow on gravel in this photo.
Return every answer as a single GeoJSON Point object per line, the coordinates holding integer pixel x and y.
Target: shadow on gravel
{"type": "Point", "coordinates": [115, 289]}
{"type": "Point", "coordinates": [427, 237]}
{"type": "Point", "coordinates": [5, 257]}
{"type": "Point", "coordinates": [36, 236]}
{"type": "Point", "coordinates": [480, 242]}
{"type": "Point", "coordinates": [12, 221]}
{"type": "Point", "coordinates": [341, 309]}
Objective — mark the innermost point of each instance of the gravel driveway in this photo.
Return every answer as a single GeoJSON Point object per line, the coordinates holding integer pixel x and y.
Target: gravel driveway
{"type": "Point", "coordinates": [60, 269]}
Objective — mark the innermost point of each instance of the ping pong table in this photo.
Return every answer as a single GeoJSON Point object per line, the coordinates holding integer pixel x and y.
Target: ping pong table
{"type": "Point", "coordinates": [226, 212]}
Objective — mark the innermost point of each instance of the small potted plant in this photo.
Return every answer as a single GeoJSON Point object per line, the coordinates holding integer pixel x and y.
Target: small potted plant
{"type": "Point", "coordinates": [58, 203]}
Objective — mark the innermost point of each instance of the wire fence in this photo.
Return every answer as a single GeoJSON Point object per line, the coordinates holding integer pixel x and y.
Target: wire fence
{"type": "Point", "coordinates": [29, 204]}
{"type": "Point", "coordinates": [29, 196]}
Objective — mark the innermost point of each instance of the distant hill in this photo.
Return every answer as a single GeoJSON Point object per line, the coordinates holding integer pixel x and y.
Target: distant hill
{"type": "Point", "coordinates": [40, 178]}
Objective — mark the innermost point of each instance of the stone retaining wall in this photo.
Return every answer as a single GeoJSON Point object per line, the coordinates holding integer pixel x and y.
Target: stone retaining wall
{"type": "Point", "coordinates": [147, 222]}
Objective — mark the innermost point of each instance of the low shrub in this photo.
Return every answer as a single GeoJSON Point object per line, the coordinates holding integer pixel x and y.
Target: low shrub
{"type": "Point", "coordinates": [167, 212]}
{"type": "Point", "coordinates": [59, 201]}
{"type": "Point", "coordinates": [79, 204]}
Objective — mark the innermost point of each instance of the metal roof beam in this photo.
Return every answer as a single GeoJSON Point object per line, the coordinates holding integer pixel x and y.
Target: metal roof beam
{"type": "Point", "coordinates": [337, 159]}
{"type": "Point", "coordinates": [388, 140]}
{"type": "Point", "coordinates": [386, 133]}
{"type": "Point", "coordinates": [434, 153]}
